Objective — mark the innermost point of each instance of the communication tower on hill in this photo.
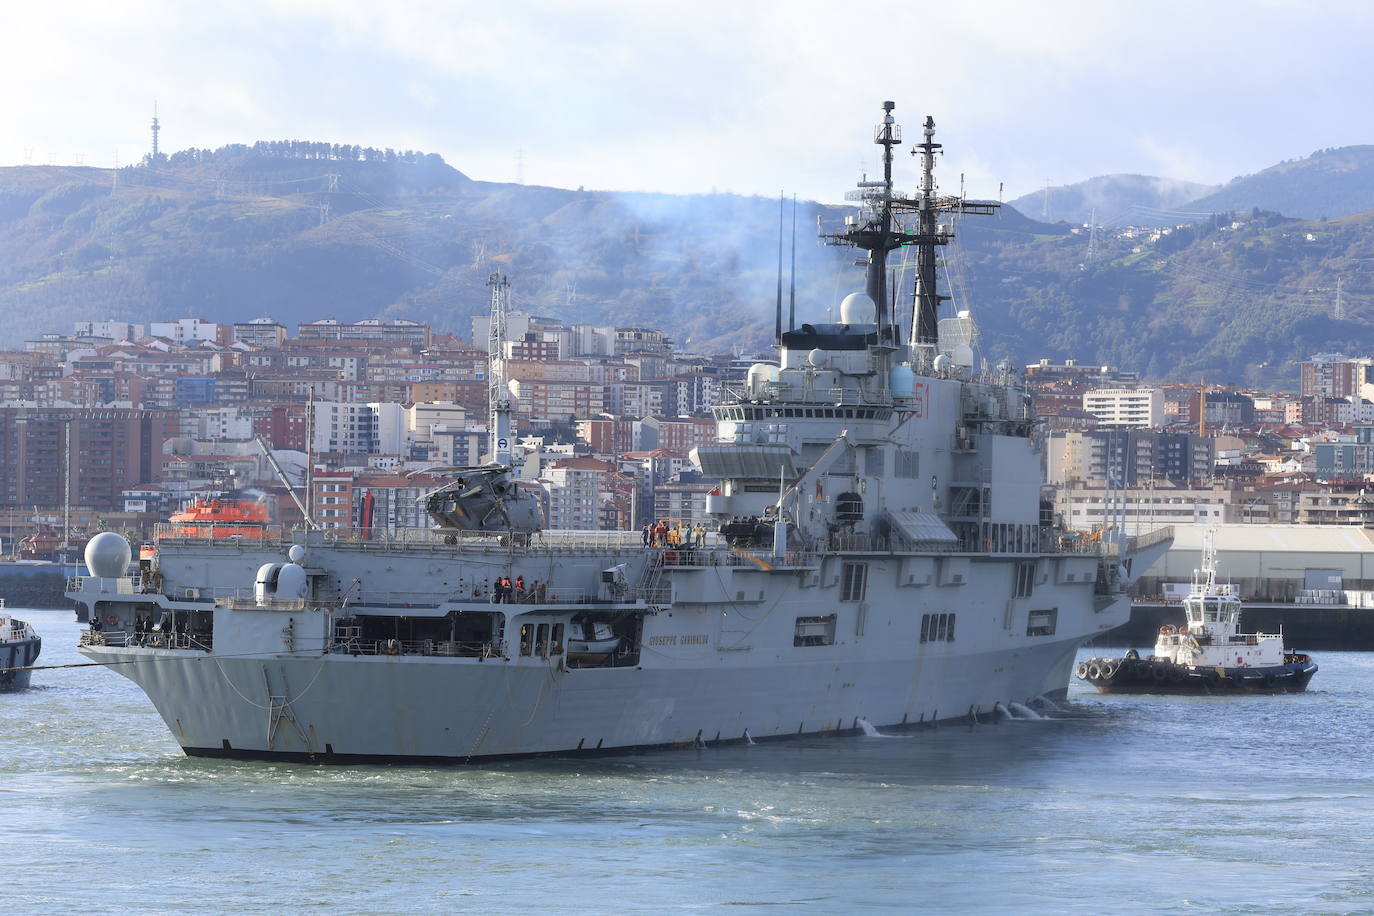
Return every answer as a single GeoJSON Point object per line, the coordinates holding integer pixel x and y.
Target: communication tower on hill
{"type": "Point", "coordinates": [156, 127]}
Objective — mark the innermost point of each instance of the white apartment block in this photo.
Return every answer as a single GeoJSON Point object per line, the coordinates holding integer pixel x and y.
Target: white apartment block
{"type": "Point", "coordinates": [364, 428]}
{"type": "Point", "coordinates": [1141, 408]}
{"type": "Point", "coordinates": [115, 330]}
{"type": "Point", "coordinates": [574, 496]}
{"type": "Point", "coordinates": [185, 330]}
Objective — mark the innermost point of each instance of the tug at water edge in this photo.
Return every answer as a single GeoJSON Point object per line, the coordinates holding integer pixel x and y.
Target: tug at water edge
{"type": "Point", "coordinates": [1207, 654]}
{"type": "Point", "coordinates": [896, 571]}
{"type": "Point", "coordinates": [19, 648]}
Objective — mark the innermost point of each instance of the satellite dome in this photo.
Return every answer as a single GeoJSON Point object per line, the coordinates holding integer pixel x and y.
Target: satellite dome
{"type": "Point", "coordinates": [108, 555]}
{"type": "Point", "coordinates": [296, 553]}
{"type": "Point", "coordinates": [858, 308]}
{"type": "Point", "coordinates": [818, 358]}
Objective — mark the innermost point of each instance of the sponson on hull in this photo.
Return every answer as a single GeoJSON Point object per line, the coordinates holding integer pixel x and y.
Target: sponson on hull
{"type": "Point", "coordinates": [894, 568]}
{"type": "Point", "coordinates": [1208, 653]}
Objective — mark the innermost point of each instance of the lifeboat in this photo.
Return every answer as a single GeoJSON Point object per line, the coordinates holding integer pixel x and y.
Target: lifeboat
{"type": "Point", "coordinates": [220, 518]}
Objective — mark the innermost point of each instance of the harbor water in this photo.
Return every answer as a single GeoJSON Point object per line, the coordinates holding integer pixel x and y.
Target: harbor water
{"type": "Point", "coordinates": [1250, 804]}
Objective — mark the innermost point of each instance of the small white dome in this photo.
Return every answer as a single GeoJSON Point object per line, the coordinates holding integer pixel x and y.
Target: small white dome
{"type": "Point", "coordinates": [818, 358]}
{"type": "Point", "coordinates": [291, 582]}
{"type": "Point", "coordinates": [108, 555]}
{"type": "Point", "coordinates": [858, 308]}
{"type": "Point", "coordinates": [296, 553]}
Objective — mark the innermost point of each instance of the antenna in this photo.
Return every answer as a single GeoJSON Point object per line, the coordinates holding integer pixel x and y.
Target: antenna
{"type": "Point", "coordinates": [873, 229]}
{"type": "Point", "coordinates": [777, 323]}
{"type": "Point", "coordinates": [1340, 303]}
{"type": "Point", "coordinates": [156, 128]}
{"type": "Point", "coordinates": [1045, 212]}
{"type": "Point", "coordinates": [1092, 236]}
{"type": "Point", "coordinates": [792, 290]}
{"type": "Point", "coordinates": [498, 397]}
{"type": "Point", "coordinates": [1202, 411]}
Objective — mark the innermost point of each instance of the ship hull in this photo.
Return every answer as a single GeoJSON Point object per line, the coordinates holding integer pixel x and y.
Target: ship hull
{"type": "Point", "coordinates": [339, 708]}
{"type": "Point", "coordinates": [15, 657]}
{"type": "Point", "coordinates": [1139, 676]}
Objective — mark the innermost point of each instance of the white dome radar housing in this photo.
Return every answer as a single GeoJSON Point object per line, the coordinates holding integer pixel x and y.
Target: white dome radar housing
{"type": "Point", "coordinates": [858, 308]}
{"type": "Point", "coordinates": [108, 555]}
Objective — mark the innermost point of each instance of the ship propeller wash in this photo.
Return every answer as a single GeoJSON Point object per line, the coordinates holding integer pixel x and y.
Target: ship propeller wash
{"type": "Point", "coordinates": [877, 554]}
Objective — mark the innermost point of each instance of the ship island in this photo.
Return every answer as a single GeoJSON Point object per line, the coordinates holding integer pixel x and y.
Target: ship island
{"type": "Point", "coordinates": [878, 555]}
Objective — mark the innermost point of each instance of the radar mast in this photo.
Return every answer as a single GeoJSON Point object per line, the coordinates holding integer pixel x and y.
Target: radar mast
{"type": "Point", "coordinates": [879, 227]}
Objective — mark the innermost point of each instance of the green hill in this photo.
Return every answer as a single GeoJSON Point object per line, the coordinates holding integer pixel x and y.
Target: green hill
{"type": "Point", "coordinates": [302, 231]}
{"type": "Point", "coordinates": [1114, 200]}
{"type": "Point", "coordinates": [1330, 182]}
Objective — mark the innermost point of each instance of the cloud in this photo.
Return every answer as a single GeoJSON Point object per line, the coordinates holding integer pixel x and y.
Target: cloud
{"type": "Point", "coordinates": [676, 97]}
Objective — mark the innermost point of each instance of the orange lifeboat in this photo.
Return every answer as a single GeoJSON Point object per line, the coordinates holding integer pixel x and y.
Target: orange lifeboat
{"type": "Point", "coordinates": [221, 518]}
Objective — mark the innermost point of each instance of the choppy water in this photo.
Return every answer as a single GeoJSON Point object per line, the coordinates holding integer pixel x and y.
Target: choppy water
{"type": "Point", "coordinates": [1131, 804]}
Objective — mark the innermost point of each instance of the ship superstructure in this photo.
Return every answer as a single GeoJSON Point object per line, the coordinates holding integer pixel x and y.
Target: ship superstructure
{"type": "Point", "coordinates": [877, 552]}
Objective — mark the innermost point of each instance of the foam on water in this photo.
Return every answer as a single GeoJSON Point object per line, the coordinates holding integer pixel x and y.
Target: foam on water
{"type": "Point", "coordinates": [1023, 711]}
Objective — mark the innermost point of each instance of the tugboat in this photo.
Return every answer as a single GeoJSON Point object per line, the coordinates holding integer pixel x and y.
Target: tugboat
{"type": "Point", "coordinates": [19, 647]}
{"type": "Point", "coordinates": [1207, 654]}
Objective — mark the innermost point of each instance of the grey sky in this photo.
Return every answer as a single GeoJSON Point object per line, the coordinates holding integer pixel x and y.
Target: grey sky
{"type": "Point", "coordinates": [751, 97]}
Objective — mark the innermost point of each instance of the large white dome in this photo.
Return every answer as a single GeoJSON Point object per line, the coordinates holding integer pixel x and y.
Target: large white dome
{"type": "Point", "coordinates": [108, 555]}
{"type": "Point", "coordinates": [858, 308]}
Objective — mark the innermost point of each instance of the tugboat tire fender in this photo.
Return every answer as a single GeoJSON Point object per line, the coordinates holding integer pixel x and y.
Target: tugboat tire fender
{"type": "Point", "coordinates": [1177, 675]}
{"type": "Point", "coordinates": [1094, 672]}
{"type": "Point", "coordinates": [1160, 673]}
{"type": "Point", "coordinates": [1083, 669]}
{"type": "Point", "coordinates": [1109, 670]}
{"type": "Point", "coordinates": [1269, 680]}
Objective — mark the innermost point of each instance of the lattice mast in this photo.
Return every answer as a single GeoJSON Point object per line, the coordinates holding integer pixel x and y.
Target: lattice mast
{"type": "Point", "coordinates": [880, 227]}
{"type": "Point", "coordinates": [498, 396]}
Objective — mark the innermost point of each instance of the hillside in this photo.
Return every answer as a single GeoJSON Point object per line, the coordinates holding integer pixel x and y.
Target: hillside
{"type": "Point", "coordinates": [243, 232]}
{"type": "Point", "coordinates": [1328, 183]}
{"type": "Point", "coordinates": [1114, 200]}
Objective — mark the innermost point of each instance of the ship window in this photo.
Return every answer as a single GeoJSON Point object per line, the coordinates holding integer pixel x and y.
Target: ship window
{"type": "Point", "coordinates": [873, 462]}
{"type": "Point", "coordinates": [1025, 579]}
{"type": "Point", "coordinates": [557, 647]}
{"type": "Point", "coordinates": [815, 631]}
{"type": "Point", "coordinates": [541, 641]}
{"type": "Point", "coordinates": [1042, 623]}
{"type": "Point", "coordinates": [937, 628]}
{"type": "Point", "coordinates": [855, 582]}
{"type": "Point", "coordinates": [526, 639]}
{"type": "Point", "coordinates": [908, 464]}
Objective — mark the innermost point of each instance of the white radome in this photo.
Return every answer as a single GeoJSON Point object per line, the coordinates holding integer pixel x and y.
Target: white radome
{"type": "Point", "coordinates": [108, 555]}
{"type": "Point", "coordinates": [858, 308]}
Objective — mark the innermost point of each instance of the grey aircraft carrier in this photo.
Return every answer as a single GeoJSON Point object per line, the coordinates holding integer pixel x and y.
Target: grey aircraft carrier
{"type": "Point", "coordinates": [877, 554]}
